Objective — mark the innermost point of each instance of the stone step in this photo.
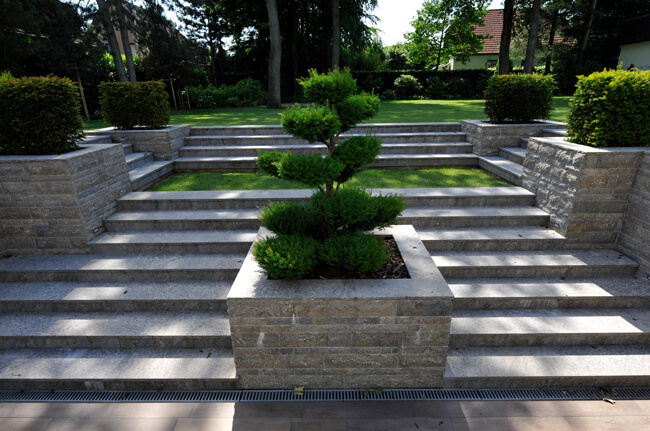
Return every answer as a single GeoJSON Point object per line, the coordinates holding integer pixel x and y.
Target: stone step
{"type": "Point", "coordinates": [101, 268]}
{"type": "Point", "coordinates": [146, 175]}
{"type": "Point", "coordinates": [118, 369]}
{"type": "Point", "coordinates": [490, 239]}
{"type": "Point", "coordinates": [174, 242]}
{"type": "Point", "coordinates": [538, 264]}
{"type": "Point", "coordinates": [546, 367]}
{"type": "Point", "coordinates": [114, 330]}
{"type": "Point", "coordinates": [83, 297]}
{"type": "Point", "coordinates": [549, 327]}
{"type": "Point", "coordinates": [530, 293]}
{"type": "Point", "coordinates": [514, 154]}
{"type": "Point", "coordinates": [552, 133]}
{"type": "Point", "coordinates": [128, 148]}
{"type": "Point", "coordinates": [252, 150]}
{"type": "Point", "coordinates": [360, 129]}
{"type": "Point", "coordinates": [285, 139]}
{"type": "Point", "coordinates": [250, 199]}
{"type": "Point", "coordinates": [96, 140]}
{"type": "Point", "coordinates": [136, 160]}
{"type": "Point", "coordinates": [469, 217]}
{"type": "Point", "coordinates": [502, 168]}
{"type": "Point", "coordinates": [523, 143]}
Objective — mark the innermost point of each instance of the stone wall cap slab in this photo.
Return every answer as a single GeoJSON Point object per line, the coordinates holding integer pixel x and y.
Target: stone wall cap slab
{"type": "Point", "coordinates": [108, 130]}
{"type": "Point", "coordinates": [426, 280]}
{"type": "Point", "coordinates": [85, 150]}
{"type": "Point", "coordinates": [486, 123]}
{"type": "Point", "coordinates": [561, 142]}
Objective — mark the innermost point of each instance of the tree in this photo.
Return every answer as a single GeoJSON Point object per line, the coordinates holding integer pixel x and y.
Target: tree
{"type": "Point", "coordinates": [444, 29]}
{"type": "Point", "coordinates": [585, 38]}
{"type": "Point", "coordinates": [506, 35]}
{"type": "Point", "coordinates": [112, 40]}
{"type": "Point", "coordinates": [124, 33]}
{"type": "Point", "coordinates": [336, 34]}
{"type": "Point", "coordinates": [275, 56]}
{"type": "Point", "coordinates": [533, 33]}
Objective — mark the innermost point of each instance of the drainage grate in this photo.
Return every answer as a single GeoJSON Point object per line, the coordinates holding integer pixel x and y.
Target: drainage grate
{"type": "Point", "coordinates": [322, 395]}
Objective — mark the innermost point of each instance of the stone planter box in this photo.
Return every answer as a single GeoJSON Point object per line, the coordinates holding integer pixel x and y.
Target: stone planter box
{"type": "Point", "coordinates": [56, 204]}
{"type": "Point", "coordinates": [343, 333]}
{"type": "Point", "coordinates": [488, 138]}
{"type": "Point", "coordinates": [163, 143]}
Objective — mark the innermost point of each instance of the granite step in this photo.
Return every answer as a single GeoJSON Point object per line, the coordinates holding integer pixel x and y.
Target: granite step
{"type": "Point", "coordinates": [128, 148]}
{"type": "Point", "coordinates": [502, 168]}
{"type": "Point", "coordinates": [96, 140]}
{"type": "Point", "coordinates": [469, 217]}
{"type": "Point", "coordinates": [174, 242]}
{"type": "Point", "coordinates": [103, 268]}
{"type": "Point", "coordinates": [118, 369]}
{"type": "Point", "coordinates": [250, 199]}
{"type": "Point", "coordinates": [547, 367]}
{"type": "Point", "coordinates": [83, 297]}
{"type": "Point", "coordinates": [359, 129]}
{"type": "Point", "coordinates": [514, 154]}
{"type": "Point", "coordinates": [136, 160]}
{"type": "Point", "coordinates": [489, 239]}
{"type": "Point", "coordinates": [552, 133]}
{"type": "Point", "coordinates": [523, 143]}
{"type": "Point", "coordinates": [146, 175]}
{"type": "Point", "coordinates": [550, 327]}
{"type": "Point", "coordinates": [114, 330]}
{"type": "Point", "coordinates": [531, 293]}
{"type": "Point", "coordinates": [537, 264]}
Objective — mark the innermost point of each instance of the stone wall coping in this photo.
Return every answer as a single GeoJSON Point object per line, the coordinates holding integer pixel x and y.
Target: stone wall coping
{"type": "Point", "coordinates": [85, 149]}
{"type": "Point", "coordinates": [486, 123]}
{"type": "Point", "coordinates": [426, 280]}
{"type": "Point", "coordinates": [561, 142]}
{"type": "Point", "coordinates": [108, 130]}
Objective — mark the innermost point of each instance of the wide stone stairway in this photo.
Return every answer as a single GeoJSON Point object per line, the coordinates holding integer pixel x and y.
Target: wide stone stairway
{"type": "Point", "coordinates": [146, 308]}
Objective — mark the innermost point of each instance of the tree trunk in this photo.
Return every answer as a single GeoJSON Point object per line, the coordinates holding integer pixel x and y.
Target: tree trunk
{"type": "Point", "coordinates": [294, 49]}
{"type": "Point", "coordinates": [112, 40]}
{"type": "Point", "coordinates": [551, 42]}
{"type": "Point", "coordinates": [124, 32]}
{"type": "Point", "coordinates": [533, 33]}
{"type": "Point", "coordinates": [275, 55]}
{"type": "Point", "coordinates": [506, 34]}
{"type": "Point", "coordinates": [442, 43]}
{"type": "Point", "coordinates": [585, 38]}
{"type": "Point", "coordinates": [336, 34]}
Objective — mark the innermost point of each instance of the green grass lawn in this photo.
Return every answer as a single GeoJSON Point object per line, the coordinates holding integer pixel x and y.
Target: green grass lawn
{"type": "Point", "coordinates": [391, 111]}
{"type": "Point", "coordinates": [376, 179]}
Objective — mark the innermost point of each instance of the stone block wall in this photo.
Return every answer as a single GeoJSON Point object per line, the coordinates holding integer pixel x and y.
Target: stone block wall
{"type": "Point", "coordinates": [584, 189]}
{"type": "Point", "coordinates": [634, 239]}
{"type": "Point", "coordinates": [163, 143]}
{"type": "Point", "coordinates": [488, 138]}
{"type": "Point", "coordinates": [56, 204]}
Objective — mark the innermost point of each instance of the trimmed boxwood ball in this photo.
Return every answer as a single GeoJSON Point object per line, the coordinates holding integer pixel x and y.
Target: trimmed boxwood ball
{"type": "Point", "coordinates": [127, 105]}
{"type": "Point", "coordinates": [519, 98]}
{"type": "Point", "coordinates": [39, 116]}
{"type": "Point", "coordinates": [290, 218]}
{"type": "Point", "coordinates": [354, 251]}
{"type": "Point", "coordinates": [287, 257]}
{"type": "Point", "coordinates": [611, 109]}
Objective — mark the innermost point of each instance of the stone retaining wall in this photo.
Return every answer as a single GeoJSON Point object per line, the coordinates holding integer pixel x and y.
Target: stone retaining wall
{"type": "Point", "coordinates": [634, 239]}
{"type": "Point", "coordinates": [584, 189]}
{"type": "Point", "coordinates": [163, 143]}
{"type": "Point", "coordinates": [343, 333]}
{"type": "Point", "coordinates": [56, 204]}
{"type": "Point", "coordinates": [488, 138]}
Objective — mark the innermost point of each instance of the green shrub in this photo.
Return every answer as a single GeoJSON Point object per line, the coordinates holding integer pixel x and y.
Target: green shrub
{"type": "Point", "coordinates": [312, 170]}
{"type": "Point", "coordinates": [611, 109]}
{"type": "Point", "coordinates": [408, 87]}
{"type": "Point", "coordinates": [434, 88]}
{"type": "Point", "coordinates": [268, 162]}
{"type": "Point", "coordinates": [287, 256]}
{"type": "Point", "coordinates": [254, 90]}
{"type": "Point", "coordinates": [328, 88]}
{"type": "Point", "coordinates": [354, 251]}
{"type": "Point", "coordinates": [289, 218]}
{"type": "Point", "coordinates": [245, 93]}
{"type": "Point", "coordinates": [127, 105]}
{"type": "Point", "coordinates": [519, 98]}
{"type": "Point", "coordinates": [355, 109]}
{"type": "Point", "coordinates": [39, 116]}
{"type": "Point", "coordinates": [311, 123]}
{"type": "Point", "coordinates": [356, 152]}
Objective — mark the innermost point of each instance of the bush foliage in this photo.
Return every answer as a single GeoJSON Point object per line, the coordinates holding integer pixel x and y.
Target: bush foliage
{"type": "Point", "coordinates": [335, 218]}
{"type": "Point", "coordinates": [39, 116]}
{"type": "Point", "coordinates": [519, 98]}
{"type": "Point", "coordinates": [611, 109]}
{"type": "Point", "coordinates": [127, 105]}
{"type": "Point", "coordinates": [408, 87]}
{"type": "Point", "coordinates": [245, 93]}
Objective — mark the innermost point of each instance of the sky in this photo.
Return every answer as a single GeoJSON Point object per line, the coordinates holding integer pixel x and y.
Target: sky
{"type": "Point", "coordinates": [396, 16]}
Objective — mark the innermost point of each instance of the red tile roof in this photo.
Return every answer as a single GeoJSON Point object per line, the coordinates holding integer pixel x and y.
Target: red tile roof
{"type": "Point", "coordinates": [493, 25]}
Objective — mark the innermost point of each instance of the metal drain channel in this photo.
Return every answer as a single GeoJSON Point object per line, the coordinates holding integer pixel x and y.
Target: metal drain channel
{"type": "Point", "coordinates": [322, 395]}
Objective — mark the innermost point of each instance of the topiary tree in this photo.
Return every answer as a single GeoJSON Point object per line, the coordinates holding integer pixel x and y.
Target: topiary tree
{"type": "Point", "coordinates": [331, 228]}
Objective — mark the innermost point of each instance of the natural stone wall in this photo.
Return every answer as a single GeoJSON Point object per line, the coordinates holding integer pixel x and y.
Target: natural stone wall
{"type": "Point", "coordinates": [343, 333]}
{"type": "Point", "coordinates": [634, 239]}
{"type": "Point", "coordinates": [163, 143]}
{"type": "Point", "coordinates": [56, 204]}
{"type": "Point", "coordinates": [3, 248]}
{"type": "Point", "coordinates": [584, 189]}
{"type": "Point", "coordinates": [488, 138]}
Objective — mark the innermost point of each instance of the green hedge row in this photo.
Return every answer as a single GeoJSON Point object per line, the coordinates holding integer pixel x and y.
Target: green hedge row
{"type": "Point", "coordinates": [519, 98]}
{"type": "Point", "coordinates": [127, 105]}
{"type": "Point", "coordinates": [247, 92]}
{"type": "Point", "coordinates": [39, 116]}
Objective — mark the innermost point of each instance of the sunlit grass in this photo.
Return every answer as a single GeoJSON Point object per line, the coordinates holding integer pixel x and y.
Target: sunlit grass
{"type": "Point", "coordinates": [392, 111]}
{"type": "Point", "coordinates": [366, 179]}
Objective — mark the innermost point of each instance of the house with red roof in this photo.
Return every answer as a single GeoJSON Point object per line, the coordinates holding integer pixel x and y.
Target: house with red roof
{"type": "Point", "coordinates": [489, 55]}
{"type": "Point", "coordinates": [635, 43]}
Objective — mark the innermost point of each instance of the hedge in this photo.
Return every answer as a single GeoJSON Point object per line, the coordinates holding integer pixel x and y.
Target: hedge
{"type": "Point", "coordinates": [519, 98]}
{"type": "Point", "coordinates": [39, 116]}
{"type": "Point", "coordinates": [245, 93]}
{"type": "Point", "coordinates": [611, 109]}
{"type": "Point", "coordinates": [127, 105]}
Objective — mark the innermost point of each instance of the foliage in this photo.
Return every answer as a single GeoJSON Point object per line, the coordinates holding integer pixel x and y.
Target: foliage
{"type": "Point", "coordinates": [128, 105]}
{"type": "Point", "coordinates": [247, 92]}
{"type": "Point", "coordinates": [407, 87]}
{"type": "Point", "coordinates": [354, 251]}
{"type": "Point", "coordinates": [444, 29]}
{"type": "Point", "coordinates": [331, 211]}
{"type": "Point", "coordinates": [397, 57]}
{"type": "Point", "coordinates": [519, 98]}
{"type": "Point", "coordinates": [38, 115]}
{"type": "Point", "coordinates": [286, 256]}
{"type": "Point", "coordinates": [611, 109]}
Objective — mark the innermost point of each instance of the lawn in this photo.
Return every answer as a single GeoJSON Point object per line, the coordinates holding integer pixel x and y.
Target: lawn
{"type": "Point", "coordinates": [391, 111]}
{"type": "Point", "coordinates": [367, 179]}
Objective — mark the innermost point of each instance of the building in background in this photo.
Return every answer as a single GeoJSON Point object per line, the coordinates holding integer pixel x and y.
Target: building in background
{"type": "Point", "coordinates": [635, 44]}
